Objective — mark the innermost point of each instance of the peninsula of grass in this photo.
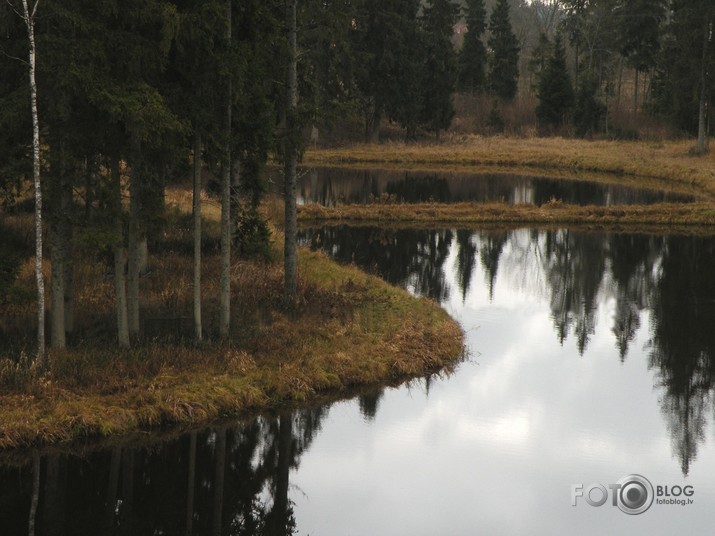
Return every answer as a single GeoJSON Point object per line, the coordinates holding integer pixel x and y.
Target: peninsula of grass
{"type": "Point", "coordinates": [349, 329]}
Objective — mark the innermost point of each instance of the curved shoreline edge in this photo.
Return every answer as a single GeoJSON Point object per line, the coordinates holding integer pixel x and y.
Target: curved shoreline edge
{"type": "Point", "coordinates": [388, 337]}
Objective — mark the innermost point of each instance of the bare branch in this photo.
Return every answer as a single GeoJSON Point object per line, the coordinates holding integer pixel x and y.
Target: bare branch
{"type": "Point", "coordinates": [13, 57]}
{"type": "Point", "coordinates": [18, 13]}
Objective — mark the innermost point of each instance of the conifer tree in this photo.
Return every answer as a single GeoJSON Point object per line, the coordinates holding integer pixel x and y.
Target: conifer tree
{"type": "Point", "coordinates": [504, 49]}
{"type": "Point", "coordinates": [556, 95]}
{"type": "Point", "coordinates": [440, 69]}
{"type": "Point", "coordinates": [473, 55]}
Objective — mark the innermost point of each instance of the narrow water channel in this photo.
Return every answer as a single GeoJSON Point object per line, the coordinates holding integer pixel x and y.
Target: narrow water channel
{"type": "Point", "coordinates": [591, 358]}
{"type": "Point", "coordinates": [335, 186]}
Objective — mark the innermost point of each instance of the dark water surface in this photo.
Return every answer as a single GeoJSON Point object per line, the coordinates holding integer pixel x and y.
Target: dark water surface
{"type": "Point", "coordinates": [592, 357]}
{"type": "Point", "coordinates": [334, 186]}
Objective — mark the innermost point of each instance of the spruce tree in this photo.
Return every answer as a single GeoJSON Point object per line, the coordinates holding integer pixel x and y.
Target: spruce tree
{"type": "Point", "coordinates": [555, 94]}
{"type": "Point", "coordinates": [440, 65]}
{"type": "Point", "coordinates": [473, 55]}
{"type": "Point", "coordinates": [588, 110]}
{"type": "Point", "coordinates": [388, 63]}
{"type": "Point", "coordinates": [504, 57]}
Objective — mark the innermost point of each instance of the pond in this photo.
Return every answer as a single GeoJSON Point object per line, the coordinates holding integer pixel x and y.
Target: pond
{"type": "Point", "coordinates": [591, 357]}
{"type": "Point", "coordinates": [333, 186]}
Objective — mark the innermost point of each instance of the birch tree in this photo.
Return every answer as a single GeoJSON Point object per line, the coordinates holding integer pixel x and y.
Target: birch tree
{"type": "Point", "coordinates": [28, 16]}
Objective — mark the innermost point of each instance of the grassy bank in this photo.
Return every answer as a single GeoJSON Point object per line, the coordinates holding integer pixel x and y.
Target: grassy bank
{"type": "Point", "coordinates": [349, 330]}
{"type": "Point", "coordinates": [466, 214]}
{"type": "Point", "coordinates": [669, 161]}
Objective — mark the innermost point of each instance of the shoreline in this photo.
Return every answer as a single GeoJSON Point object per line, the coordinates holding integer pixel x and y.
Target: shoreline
{"type": "Point", "coordinates": [386, 338]}
{"type": "Point", "coordinates": [665, 166]}
{"type": "Point", "coordinates": [669, 161]}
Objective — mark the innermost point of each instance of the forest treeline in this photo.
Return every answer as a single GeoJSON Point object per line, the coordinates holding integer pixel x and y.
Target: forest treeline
{"type": "Point", "coordinates": [133, 95]}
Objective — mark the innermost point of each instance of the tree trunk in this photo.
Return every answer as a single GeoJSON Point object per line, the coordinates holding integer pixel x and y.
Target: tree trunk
{"type": "Point", "coordinates": [120, 278]}
{"type": "Point", "coordinates": [134, 245]}
{"type": "Point", "coordinates": [29, 18]}
{"type": "Point", "coordinates": [373, 129]}
{"type": "Point", "coordinates": [291, 221]}
{"type": "Point", "coordinates": [198, 329]}
{"type": "Point", "coordinates": [225, 298]}
{"type": "Point", "coordinates": [703, 90]}
{"type": "Point", "coordinates": [235, 200]}
{"type": "Point", "coordinates": [635, 93]}
{"type": "Point", "coordinates": [58, 228]}
{"type": "Point", "coordinates": [67, 204]}
{"type": "Point", "coordinates": [57, 279]}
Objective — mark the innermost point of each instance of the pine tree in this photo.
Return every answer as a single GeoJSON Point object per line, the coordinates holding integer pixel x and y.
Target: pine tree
{"type": "Point", "coordinates": [504, 57]}
{"type": "Point", "coordinates": [555, 94]}
{"type": "Point", "coordinates": [440, 69]}
{"type": "Point", "coordinates": [473, 55]}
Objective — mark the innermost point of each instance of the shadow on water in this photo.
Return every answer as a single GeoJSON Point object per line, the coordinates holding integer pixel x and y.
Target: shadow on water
{"type": "Point", "coordinates": [334, 186]}
{"type": "Point", "coordinates": [224, 481]}
{"type": "Point", "coordinates": [664, 282]}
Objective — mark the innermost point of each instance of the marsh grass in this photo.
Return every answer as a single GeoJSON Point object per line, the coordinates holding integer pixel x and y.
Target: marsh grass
{"type": "Point", "coordinates": [669, 162]}
{"type": "Point", "coordinates": [552, 213]}
{"type": "Point", "coordinates": [348, 329]}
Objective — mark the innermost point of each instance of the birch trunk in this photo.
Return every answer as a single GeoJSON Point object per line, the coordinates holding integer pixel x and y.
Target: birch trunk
{"type": "Point", "coordinates": [198, 329]}
{"type": "Point", "coordinates": [225, 298]}
{"type": "Point", "coordinates": [291, 222]}
{"type": "Point", "coordinates": [30, 23]}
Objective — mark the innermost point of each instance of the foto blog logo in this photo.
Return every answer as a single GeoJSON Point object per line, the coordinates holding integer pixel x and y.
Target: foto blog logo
{"type": "Point", "coordinates": [633, 494]}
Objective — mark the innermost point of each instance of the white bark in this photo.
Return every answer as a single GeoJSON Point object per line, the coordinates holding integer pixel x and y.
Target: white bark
{"type": "Point", "coordinates": [29, 17]}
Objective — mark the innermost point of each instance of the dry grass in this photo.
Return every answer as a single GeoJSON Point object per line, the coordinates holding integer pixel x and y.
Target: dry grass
{"type": "Point", "coordinates": [348, 330]}
{"type": "Point", "coordinates": [670, 161]}
{"type": "Point", "coordinates": [435, 214]}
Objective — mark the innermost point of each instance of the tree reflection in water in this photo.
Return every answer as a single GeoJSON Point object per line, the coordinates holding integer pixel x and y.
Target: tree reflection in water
{"type": "Point", "coordinates": [665, 279]}
{"type": "Point", "coordinates": [335, 186]}
{"type": "Point", "coordinates": [228, 481]}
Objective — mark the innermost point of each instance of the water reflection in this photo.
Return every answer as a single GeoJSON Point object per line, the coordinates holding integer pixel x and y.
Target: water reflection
{"type": "Point", "coordinates": [662, 282]}
{"type": "Point", "coordinates": [332, 186]}
{"type": "Point", "coordinates": [227, 481]}
{"type": "Point", "coordinates": [596, 361]}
